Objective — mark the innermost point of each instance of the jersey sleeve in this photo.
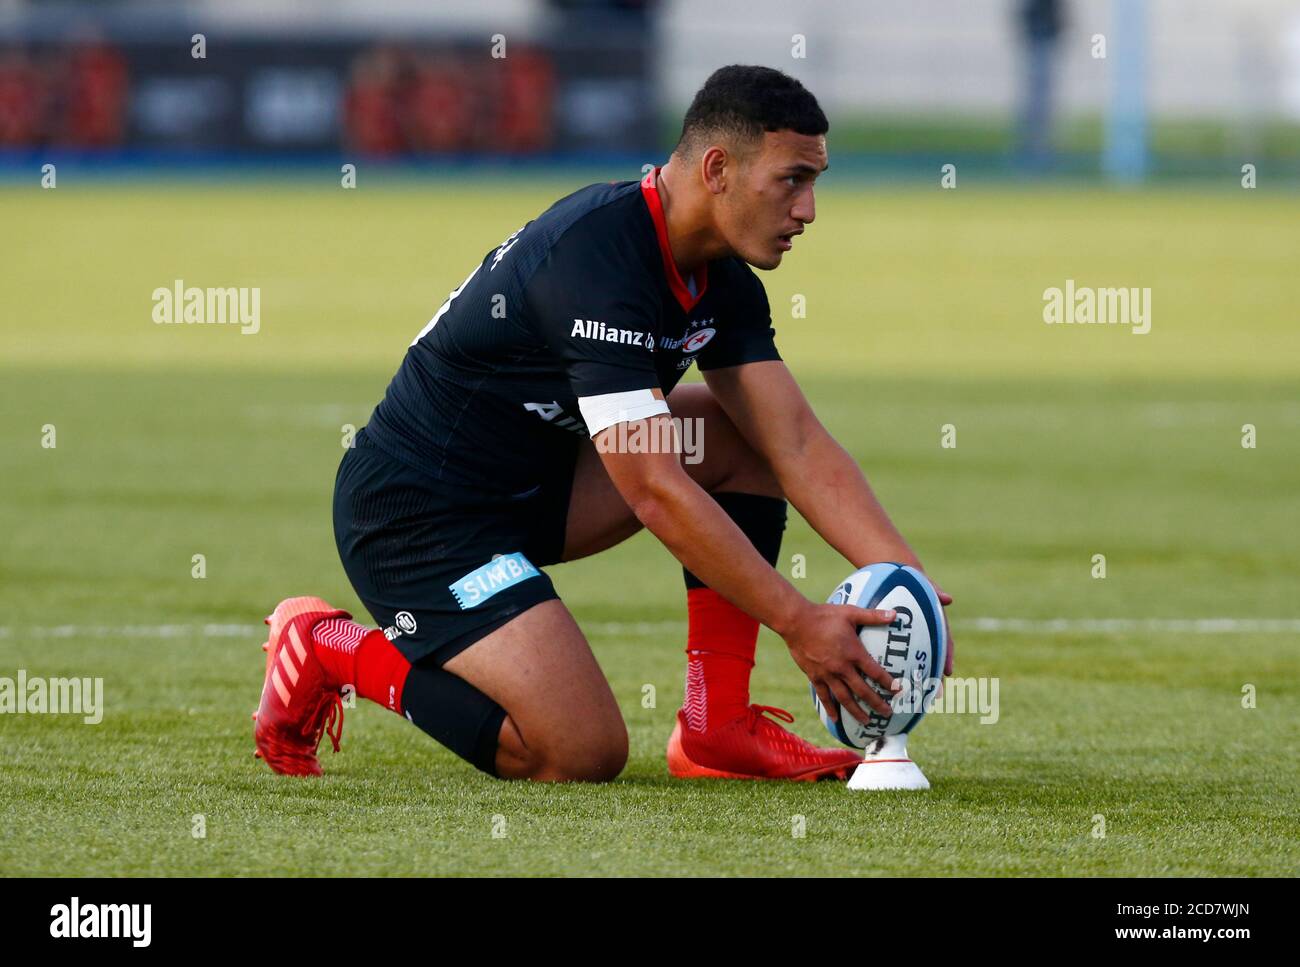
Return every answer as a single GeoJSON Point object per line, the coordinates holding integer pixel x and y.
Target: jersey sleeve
{"type": "Point", "coordinates": [746, 334]}
{"type": "Point", "coordinates": [596, 309]}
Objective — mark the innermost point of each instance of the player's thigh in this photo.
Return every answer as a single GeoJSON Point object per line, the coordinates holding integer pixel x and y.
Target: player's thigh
{"type": "Point", "coordinates": [539, 668]}
{"type": "Point", "coordinates": [716, 456]}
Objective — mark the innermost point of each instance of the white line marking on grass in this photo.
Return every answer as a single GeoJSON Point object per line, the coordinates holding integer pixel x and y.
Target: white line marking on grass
{"type": "Point", "coordinates": [1029, 626]}
{"type": "Point", "coordinates": [132, 631]}
{"type": "Point", "coordinates": [1182, 626]}
{"type": "Point", "coordinates": [308, 414]}
{"type": "Point", "coordinates": [1206, 413]}
{"type": "Point", "coordinates": [1034, 626]}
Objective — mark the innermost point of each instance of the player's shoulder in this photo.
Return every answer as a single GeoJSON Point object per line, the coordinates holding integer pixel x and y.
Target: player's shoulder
{"type": "Point", "coordinates": [592, 213]}
{"type": "Point", "coordinates": [587, 237]}
{"type": "Point", "coordinates": [597, 239]}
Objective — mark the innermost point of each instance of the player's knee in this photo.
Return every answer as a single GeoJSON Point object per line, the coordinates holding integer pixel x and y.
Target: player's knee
{"type": "Point", "coordinates": [598, 755]}
{"type": "Point", "coordinates": [611, 756]}
{"type": "Point", "coordinates": [593, 764]}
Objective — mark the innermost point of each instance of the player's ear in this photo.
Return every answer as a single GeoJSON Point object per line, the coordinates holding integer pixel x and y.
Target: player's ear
{"type": "Point", "coordinates": [715, 165]}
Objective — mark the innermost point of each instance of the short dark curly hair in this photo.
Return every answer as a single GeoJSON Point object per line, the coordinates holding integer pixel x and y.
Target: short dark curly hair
{"type": "Point", "coordinates": [743, 101]}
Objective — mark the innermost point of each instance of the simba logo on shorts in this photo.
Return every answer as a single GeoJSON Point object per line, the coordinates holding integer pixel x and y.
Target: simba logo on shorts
{"type": "Point", "coordinates": [496, 575]}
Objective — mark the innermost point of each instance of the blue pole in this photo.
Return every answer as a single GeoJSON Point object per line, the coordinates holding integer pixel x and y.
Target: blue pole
{"type": "Point", "coordinates": [1124, 158]}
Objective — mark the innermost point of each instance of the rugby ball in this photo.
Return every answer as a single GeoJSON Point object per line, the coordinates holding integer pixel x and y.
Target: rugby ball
{"type": "Point", "coordinates": [912, 649]}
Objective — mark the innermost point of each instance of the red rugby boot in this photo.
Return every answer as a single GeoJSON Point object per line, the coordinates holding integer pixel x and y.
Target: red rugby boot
{"type": "Point", "coordinates": [298, 705]}
{"type": "Point", "coordinates": [754, 747]}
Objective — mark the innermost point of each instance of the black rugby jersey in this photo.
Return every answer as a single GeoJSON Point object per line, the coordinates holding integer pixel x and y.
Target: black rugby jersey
{"type": "Point", "coordinates": [582, 302]}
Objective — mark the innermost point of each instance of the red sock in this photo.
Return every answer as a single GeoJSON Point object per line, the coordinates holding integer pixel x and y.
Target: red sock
{"type": "Point", "coordinates": [361, 657]}
{"type": "Point", "coordinates": [720, 642]}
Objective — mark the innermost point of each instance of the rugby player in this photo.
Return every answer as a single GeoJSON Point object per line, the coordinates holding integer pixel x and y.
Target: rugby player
{"type": "Point", "coordinates": [500, 448]}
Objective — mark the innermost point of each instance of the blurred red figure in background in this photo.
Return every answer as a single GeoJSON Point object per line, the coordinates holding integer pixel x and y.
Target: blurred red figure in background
{"type": "Point", "coordinates": [525, 100]}
{"type": "Point", "coordinates": [440, 106]}
{"type": "Point", "coordinates": [22, 100]}
{"type": "Point", "coordinates": [371, 122]}
{"type": "Point", "coordinates": [94, 96]}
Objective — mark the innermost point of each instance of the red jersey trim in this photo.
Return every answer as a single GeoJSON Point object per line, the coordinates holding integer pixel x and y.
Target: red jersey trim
{"type": "Point", "coordinates": [684, 298]}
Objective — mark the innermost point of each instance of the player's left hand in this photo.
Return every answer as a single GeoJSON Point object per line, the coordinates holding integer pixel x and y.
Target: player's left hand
{"type": "Point", "coordinates": [945, 599]}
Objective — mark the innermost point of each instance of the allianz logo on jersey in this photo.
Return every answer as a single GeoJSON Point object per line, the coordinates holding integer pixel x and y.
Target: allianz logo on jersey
{"type": "Point", "coordinates": [594, 329]}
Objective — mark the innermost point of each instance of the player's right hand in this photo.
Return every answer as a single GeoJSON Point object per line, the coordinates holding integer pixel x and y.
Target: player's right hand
{"type": "Point", "coordinates": [824, 643]}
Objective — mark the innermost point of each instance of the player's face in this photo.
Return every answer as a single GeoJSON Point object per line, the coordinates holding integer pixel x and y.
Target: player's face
{"type": "Point", "coordinates": [773, 200]}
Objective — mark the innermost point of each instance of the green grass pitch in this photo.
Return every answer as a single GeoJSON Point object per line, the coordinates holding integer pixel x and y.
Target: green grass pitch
{"type": "Point", "coordinates": [922, 308]}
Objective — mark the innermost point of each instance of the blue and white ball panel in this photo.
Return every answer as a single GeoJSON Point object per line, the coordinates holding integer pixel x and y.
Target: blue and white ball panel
{"type": "Point", "coordinates": [912, 648]}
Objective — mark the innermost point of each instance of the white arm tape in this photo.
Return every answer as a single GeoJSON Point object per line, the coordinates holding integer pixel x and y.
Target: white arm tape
{"type": "Point", "coordinates": [602, 412]}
